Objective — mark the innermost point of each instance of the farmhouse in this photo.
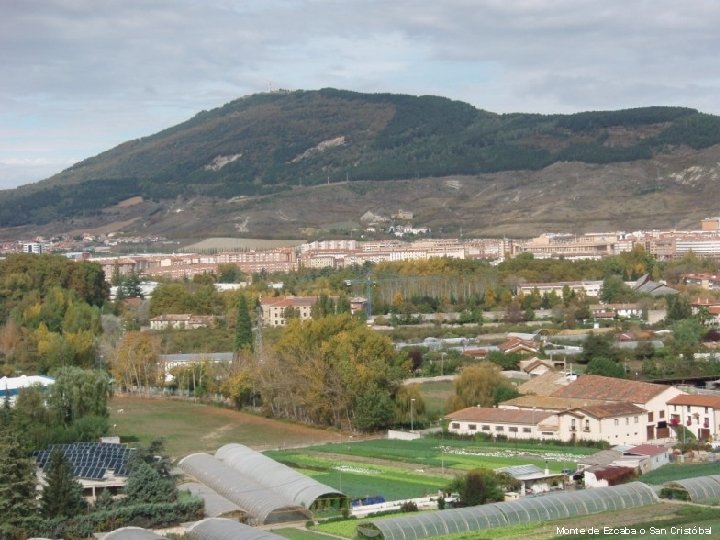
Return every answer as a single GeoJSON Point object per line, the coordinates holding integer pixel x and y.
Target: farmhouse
{"type": "Point", "coordinates": [653, 398]}
{"type": "Point", "coordinates": [698, 413]}
{"type": "Point", "coordinates": [513, 423]}
{"type": "Point", "coordinates": [183, 321]}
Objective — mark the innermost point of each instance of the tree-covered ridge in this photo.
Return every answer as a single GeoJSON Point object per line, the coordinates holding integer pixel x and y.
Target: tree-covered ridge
{"type": "Point", "coordinates": [271, 138]}
{"type": "Point", "coordinates": [50, 310]}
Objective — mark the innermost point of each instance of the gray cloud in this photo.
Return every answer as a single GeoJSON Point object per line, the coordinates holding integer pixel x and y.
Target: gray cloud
{"type": "Point", "coordinates": [80, 76]}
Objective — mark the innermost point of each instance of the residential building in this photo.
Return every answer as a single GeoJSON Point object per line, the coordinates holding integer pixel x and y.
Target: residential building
{"type": "Point", "coordinates": [10, 387]}
{"type": "Point", "coordinates": [699, 413]}
{"type": "Point", "coordinates": [588, 288]}
{"type": "Point", "coordinates": [275, 309]}
{"type": "Point", "coordinates": [651, 398]}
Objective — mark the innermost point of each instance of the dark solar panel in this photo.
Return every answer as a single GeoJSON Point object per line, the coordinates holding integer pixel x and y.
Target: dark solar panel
{"type": "Point", "coordinates": [89, 460]}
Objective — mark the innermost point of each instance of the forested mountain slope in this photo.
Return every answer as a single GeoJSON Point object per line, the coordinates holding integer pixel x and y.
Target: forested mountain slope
{"type": "Point", "coordinates": [249, 166]}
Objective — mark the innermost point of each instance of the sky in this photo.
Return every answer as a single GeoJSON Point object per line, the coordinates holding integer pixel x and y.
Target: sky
{"type": "Point", "coordinates": [78, 77]}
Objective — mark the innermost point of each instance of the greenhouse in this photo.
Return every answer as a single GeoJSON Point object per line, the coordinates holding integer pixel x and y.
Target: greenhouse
{"type": "Point", "coordinates": [700, 490]}
{"type": "Point", "coordinates": [261, 503]}
{"type": "Point", "coordinates": [299, 488]}
{"type": "Point", "coordinates": [215, 505]}
{"type": "Point", "coordinates": [132, 533]}
{"type": "Point", "coordinates": [228, 529]}
{"type": "Point", "coordinates": [526, 510]}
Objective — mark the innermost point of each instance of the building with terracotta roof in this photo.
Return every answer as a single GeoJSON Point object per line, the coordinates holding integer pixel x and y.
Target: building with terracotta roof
{"type": "Point", "coordinates": [699, 413]}
{"type": "Point", "coordinates": [512, 423]}
{"type": "Point", "coordinates": [653, 398]}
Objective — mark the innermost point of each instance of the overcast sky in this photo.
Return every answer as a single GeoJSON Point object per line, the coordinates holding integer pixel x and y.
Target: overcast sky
{"type": "Point", "coordinates": [81, 76]}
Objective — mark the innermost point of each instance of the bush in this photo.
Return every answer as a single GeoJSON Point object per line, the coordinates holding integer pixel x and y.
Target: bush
{"type": "Point", "coordinates": [408, 506]}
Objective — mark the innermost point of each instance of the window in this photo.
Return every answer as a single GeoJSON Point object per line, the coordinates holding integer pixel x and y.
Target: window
{"type": "Point", "coordinates": [472, 427]}
{"type": "Point", "coordinates": [455, 425]}
{"type": "Point", "coordinates": [572, 425]}
{"type": "Point", "coordinates": [662, 414]}
{"type": "Point", "coordinates": [548, 433]}
{"type": "Point", "coordinates": [706, 424]}
{"type": "Point", "coordinates": [617, 422]}
{"type": "Point", "coordinates": [650, 417]}
{"type": "Point", "coordinates": [688, 408]}
{"type": "Point", "coordinates": [527, 430]}
{"type": "Point", "coordinates": [706, 410]}
{"type": "Point", "coordinates": [512, 429]}
{"type": "Point", "coordinates": [587, 425]}
{"type": "Point", "coordinates": [637, 419]}
{"type": "Point", "coordinates": [627, 421]}
{"type": "Point", "coordinates": [486, 428]}
{"type": "Point", "coordinates": [499, 428]}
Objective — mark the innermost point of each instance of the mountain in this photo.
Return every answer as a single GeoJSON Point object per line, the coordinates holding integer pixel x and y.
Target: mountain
{"type": "Point", "coordinates": [298, 163]}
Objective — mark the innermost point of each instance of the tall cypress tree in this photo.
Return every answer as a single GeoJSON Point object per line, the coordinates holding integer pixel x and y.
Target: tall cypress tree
{"type": "Point", "coordinates": [243, 326]}
{"type": "Point", "coordinates": [62, 496]}
{"type": "Point", "coordinates": [18, 503]}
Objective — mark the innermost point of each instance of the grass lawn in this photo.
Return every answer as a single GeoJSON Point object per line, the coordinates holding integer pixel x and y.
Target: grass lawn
{"type": "Point", "coordinates": [435, 396]}
{"type": "Point", "coordinates": [188, 427]}
{"type": "Point", "coordinates": [677, 471]}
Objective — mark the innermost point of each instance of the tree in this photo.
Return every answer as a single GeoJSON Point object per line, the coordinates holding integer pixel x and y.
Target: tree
{"type": "Point", "coordinates": [374, 409]}
{"type": "Point", "coordinates": [595, 346]}
{"type": "Point", "coordinates": [615, 290]}
{"type": "Point", "coordinates": [243, 326]}
{"type": "Point", "coordinates": [480, 486]}
{"type": "Point", "coordinates": [18, 503]}
{"type": "Point", "coordinates": [78, 393]}
{"type": "Point", "coordinates": [686, 337]}
{"type": "Point", "coordinates": [136, 363]}
{"type": "Point", "coordinates": [479, 385]}
{"type": "Point", "coordinates": [63, 495]}
{"type": "Point", "coordinates": [604, 366]}
{"type": "Point", "coordinates": [146, 485]}
{"type": "Point", "coordinates": [678, 308]}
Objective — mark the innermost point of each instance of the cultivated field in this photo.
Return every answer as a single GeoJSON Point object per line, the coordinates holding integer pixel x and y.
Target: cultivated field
{"type": "Point", "coordinates": [187, 427]}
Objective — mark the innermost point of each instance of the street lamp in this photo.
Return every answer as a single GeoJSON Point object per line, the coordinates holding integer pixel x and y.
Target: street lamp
{"type": "Point", "coordinates": [442, 362]}
{"type": "Point", "coordinates": [412, 406]}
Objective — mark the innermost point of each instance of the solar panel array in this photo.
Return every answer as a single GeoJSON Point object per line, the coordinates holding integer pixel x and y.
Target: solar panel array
{"type": "Point", "coordinates": [90, 460]}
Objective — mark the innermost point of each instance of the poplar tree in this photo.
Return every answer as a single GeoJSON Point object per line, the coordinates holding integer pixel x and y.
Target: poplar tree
{"type": "Point", "coordinates": [243, 326]}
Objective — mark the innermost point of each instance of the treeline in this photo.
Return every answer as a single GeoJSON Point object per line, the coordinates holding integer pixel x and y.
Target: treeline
{"type": "Point", "coordinates": [50, 311]}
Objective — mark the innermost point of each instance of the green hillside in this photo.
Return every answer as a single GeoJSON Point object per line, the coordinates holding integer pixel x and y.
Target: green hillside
{"type": "Point", "coordinates": [269, 143]}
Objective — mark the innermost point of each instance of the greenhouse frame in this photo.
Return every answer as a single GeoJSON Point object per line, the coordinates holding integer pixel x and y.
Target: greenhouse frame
{"type": "Point", "coordinates": [528, 509]}
{"type": "Point", "coordinates": [261, 503]}
{"type": "Point", "coordinates": [299, 488]}
{"type": "Point", "coordinates": [228, 529]}
{"type": "Point", "coordinates": [700, 490]}
{"type": "Point", "coordinates": [132, 533]}
{"type": "Point", "coordinates": [215, 505]}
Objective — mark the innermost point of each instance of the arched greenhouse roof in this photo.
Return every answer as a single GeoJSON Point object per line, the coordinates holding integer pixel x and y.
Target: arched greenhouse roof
{"type": "Point", "coordinates": [299, 488]}
{"type": "Point", "coordinates": [228, 529]}
{"type": "Point", "coordinates": [525, 510]}
{"type": "Point", "coordinates": [701, 490]}
{"type": "Point", "coordinates": [132, 533]}
{"type": "Point", "coordinates": [215, 504]}
{"type": "Point", "coordinates": [262, 504]}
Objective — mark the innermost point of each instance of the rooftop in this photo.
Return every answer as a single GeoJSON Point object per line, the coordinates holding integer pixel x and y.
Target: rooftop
{"type": "Point", "coordinates": [696, 400]}
{"type": "Point", "coordinates": [610, 389]}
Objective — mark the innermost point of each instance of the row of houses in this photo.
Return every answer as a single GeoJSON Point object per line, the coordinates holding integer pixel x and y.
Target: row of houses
{"type": "Point", "coordinates": [594, 408]}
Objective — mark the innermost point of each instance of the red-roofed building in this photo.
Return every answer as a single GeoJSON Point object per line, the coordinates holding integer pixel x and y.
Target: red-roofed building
{"type": "Point", "coordinates": [699, 413]}
{"type": "Point", "coordinates": [651, 397]}
{"type": "Point", "coordinates": [512, 423]}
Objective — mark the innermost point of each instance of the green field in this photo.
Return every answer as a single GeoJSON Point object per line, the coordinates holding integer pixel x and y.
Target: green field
{"type": "Point", "coordinates": [406, 469]}
{"type": "Point", "coordinates": [677, 471]}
